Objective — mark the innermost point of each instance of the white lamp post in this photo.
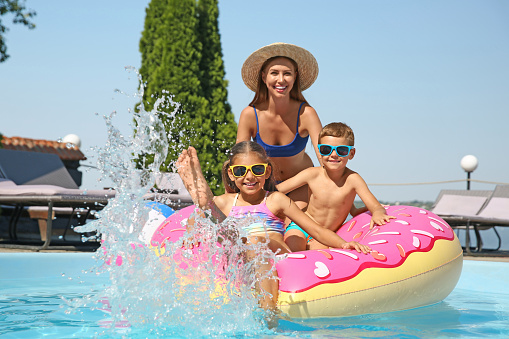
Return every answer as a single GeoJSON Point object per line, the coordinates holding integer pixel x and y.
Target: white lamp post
{"type": "Point", "coordinates": [72, 139]}
{"type": "Point", "coordinates": [469, 164]}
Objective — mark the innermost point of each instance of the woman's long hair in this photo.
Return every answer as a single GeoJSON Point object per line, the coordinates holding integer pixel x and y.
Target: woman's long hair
{"type": "Point", "coordinates": [245, 147]}
{"type": "Point", "coordinates": [262, 93]}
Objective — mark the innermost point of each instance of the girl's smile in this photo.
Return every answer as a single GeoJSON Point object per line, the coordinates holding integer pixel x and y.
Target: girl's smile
{"type": "Point", "coordinates": [250, 184]}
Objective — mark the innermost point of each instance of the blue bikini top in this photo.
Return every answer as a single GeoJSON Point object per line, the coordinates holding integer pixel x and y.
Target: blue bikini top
{"type": "Point", "coordinates": [278, 151]}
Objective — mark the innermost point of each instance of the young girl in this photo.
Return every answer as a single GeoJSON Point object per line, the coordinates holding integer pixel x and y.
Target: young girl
{"type": "Point", "coordinates": [250, 188]}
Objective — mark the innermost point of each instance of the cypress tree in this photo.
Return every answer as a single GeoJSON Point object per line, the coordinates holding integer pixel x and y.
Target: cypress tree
{"type": "Point", "coordinates": [220, 119]}
{"type": "Point", "coordinates": [170, 63]}
{"type": "Point", "coordinates": [173, 61]}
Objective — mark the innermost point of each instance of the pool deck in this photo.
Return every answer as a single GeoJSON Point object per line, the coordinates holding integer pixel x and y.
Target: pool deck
{"type": "Point", "coordinates": [479, 257]}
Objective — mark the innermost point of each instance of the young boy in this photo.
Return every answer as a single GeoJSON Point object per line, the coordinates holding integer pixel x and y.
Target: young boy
{"type": "Point", "coordinates": [332, 188]}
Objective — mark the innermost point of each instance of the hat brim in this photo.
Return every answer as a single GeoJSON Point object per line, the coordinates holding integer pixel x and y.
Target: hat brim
{"type": "Point", "coordinates": [306, 64]}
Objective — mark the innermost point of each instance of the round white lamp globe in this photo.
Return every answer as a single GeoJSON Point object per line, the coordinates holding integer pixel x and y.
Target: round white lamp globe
{"type": "Point", "coordinates": [72, 139]}
{"type": "Point", "coordinates": [469, 163]}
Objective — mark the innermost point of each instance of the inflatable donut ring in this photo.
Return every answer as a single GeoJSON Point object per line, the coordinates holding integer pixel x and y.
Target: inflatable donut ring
{"type": "Point", "coordinates": [416, 260]}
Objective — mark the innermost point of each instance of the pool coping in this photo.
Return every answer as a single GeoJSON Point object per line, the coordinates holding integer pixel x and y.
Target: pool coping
{"type": "Point", "coordinates": [481, 258]}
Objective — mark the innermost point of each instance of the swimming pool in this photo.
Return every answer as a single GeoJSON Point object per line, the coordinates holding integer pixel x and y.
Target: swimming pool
{"type": "Point", "coordinates": [35, 289]}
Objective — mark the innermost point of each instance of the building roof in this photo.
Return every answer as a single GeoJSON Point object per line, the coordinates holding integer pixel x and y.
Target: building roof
{"type": "Point", "coordinates": [66, 151]}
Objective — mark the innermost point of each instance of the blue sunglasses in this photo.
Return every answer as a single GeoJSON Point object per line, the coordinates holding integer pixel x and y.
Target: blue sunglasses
{"type": "Point", "coordinates": [341, 150]}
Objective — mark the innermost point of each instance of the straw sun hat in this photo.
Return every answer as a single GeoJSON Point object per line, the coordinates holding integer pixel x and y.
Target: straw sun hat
{"type": "Point", "coordinates": [306, 63]}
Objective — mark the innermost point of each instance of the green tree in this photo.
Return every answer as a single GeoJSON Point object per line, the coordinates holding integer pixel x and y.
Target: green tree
{"type": "Point", "coordinates": [221, 130]}
{"type": "Point", "coordinates": [174, 62]}
{"type": "Point", "coordinates": [170, 53]}
{"type": "Point", "coordinates": [21, 16]}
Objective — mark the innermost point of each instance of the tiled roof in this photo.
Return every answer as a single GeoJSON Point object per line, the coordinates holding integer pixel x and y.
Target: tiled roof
{"type": "Point", "coordinates": [64, 151]}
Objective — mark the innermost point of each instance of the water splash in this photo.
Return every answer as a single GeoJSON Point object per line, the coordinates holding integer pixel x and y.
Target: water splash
{"type": "Point", "coordinates": [167, 291]}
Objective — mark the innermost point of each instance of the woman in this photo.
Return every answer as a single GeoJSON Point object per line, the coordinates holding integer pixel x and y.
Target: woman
{"type": "Point", "coordinates": [279, 117]}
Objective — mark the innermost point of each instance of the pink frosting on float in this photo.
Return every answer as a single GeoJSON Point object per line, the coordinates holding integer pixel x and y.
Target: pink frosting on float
{"type": "Point", "coordinates": [414, 230]}
{"type": "Point", "coordinates": [171, 230]}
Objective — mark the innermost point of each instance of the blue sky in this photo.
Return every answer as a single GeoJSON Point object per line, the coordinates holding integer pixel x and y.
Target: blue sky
{"type": "Point", "coordinates": [422, 83]}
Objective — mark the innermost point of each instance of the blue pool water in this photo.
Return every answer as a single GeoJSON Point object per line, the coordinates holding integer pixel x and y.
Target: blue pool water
{"type": "Point", "coordinates": [36, 290]}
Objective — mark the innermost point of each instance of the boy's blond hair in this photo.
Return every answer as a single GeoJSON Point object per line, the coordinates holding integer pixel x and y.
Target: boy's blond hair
{"type": "Point", "coordinates": [338, 130]}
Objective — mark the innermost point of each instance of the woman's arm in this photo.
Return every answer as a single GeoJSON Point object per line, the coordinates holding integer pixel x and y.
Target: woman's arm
{"type": "Point", "coordinates": [312, 124]}
{"type": "Point", "coordinates": [246, 128]}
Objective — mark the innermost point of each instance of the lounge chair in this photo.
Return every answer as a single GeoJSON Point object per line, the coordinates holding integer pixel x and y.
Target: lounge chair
{"type": "Point", "coordinates": [55, 199]}
{"type": "Point", "coordinates": [459, 210]}
{"type": "Point", "coordinates": [495, 213]}
{"type": "Point", "coordinates": [41, 182]}
{"type": "Point", "coordinates": [458, 207]}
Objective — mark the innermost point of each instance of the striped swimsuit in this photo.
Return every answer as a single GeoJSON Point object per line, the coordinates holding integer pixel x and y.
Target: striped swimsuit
{"type": "Point", "coordinates": [268, 223]}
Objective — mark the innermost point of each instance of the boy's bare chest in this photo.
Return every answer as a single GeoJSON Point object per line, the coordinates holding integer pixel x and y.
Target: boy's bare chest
{"type": "Point", "coordinates": [329, 194]}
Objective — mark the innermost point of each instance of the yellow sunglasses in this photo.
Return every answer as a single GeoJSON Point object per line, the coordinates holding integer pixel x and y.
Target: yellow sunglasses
{"type": "Point", "coordinates": [240, 171]}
